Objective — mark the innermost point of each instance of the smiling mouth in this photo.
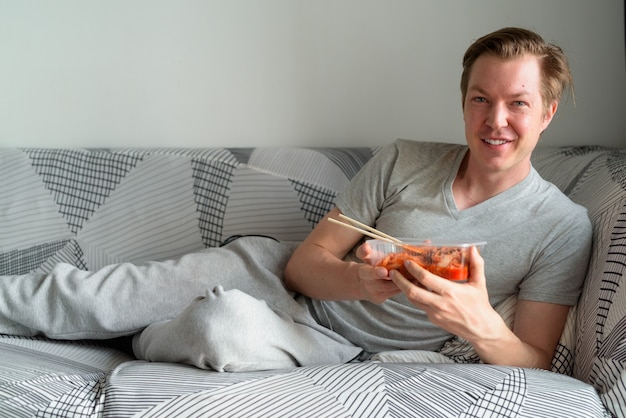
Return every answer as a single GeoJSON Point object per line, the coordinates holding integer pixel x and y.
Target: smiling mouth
{"type": "Point", "coordinates": [494, 141]}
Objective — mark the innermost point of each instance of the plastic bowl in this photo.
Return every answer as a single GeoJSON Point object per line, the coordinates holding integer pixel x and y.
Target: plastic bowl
{"type": "Point", "coordinates": [449, 260]}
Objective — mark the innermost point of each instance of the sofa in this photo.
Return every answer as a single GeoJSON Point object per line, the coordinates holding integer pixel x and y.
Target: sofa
{"type": "Point", "coordinates": [93, 207]}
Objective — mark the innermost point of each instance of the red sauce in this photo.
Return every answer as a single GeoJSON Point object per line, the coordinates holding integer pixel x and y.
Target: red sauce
{"type": "Point", "coordinates": [446, 262]}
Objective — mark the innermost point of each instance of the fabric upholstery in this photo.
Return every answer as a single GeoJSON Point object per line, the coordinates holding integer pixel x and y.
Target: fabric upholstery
{"type": "Point", "coordinates": [101, 206]}
{"type": "Point", "coordinates": [596, 178]}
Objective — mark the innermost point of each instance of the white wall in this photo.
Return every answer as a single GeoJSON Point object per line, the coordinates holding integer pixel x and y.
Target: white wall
{"type": "Point", "coordinates": [95, 73]}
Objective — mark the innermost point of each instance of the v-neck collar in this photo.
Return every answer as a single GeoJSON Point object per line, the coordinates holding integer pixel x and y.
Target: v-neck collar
{"type": "Point", "coordinates": [449, 196]}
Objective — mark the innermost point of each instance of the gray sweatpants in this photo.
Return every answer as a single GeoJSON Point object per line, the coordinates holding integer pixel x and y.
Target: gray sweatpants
{"type": "Point", "coordinates": [192, 313]}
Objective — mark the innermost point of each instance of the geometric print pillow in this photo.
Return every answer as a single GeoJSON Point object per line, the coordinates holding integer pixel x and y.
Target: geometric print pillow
{"type": "Point", "coordinates": [595, 177]}
{"type": "Point", "coordinates": [93, 207]}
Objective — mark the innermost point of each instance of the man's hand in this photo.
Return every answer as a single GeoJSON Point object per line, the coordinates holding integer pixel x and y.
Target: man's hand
{"type": "Point", "coordinates": [375, 284]}
{"type": "Point", "coordinates": [462, 309]}
{"type": "Point", "coordinates": [317, 268]}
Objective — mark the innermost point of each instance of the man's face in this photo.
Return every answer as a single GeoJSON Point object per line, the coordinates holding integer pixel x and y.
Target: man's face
{"type": "Point", "coordinates": [504, 113]}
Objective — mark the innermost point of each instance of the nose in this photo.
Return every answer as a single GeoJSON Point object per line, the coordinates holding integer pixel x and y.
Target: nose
{"type": "Point", "coordinates": [497, 116]}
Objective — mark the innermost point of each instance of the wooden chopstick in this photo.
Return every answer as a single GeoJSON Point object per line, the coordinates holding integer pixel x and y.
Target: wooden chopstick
{"type": "Point", "coordinates": [361, 230]}
{"type": "Point", "coordinates": [368, 228]}
{"type": "Point", "coordinates": [364, 229]}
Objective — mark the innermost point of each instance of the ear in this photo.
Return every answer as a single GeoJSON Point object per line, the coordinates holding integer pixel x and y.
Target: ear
{"type": "Point", "coordinates": [549, 113]}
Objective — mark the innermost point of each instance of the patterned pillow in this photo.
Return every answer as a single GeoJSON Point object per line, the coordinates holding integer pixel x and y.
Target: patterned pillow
{"type": "Point", "coordinates": [596, 178]}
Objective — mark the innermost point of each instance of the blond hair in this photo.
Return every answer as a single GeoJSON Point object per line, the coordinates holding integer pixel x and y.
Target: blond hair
{"type": "Point", "coordinates": [510, 43]}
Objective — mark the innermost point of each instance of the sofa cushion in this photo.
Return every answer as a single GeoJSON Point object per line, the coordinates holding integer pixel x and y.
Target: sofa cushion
{"type": "Point", "coordinates": [356, 389]}
{"type": "Point", "coordinates": [63, 378]}
{"type": "Point", "coordinates": [42, 377]}
{"type": "Point", "coordinates": [595, 177]}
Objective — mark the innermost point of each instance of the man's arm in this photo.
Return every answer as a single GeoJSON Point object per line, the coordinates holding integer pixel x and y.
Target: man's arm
{"type": "Point", "coordinates": [463, 309]}
{"type": "Point", "coordinates": [536, 332]}
{"type": "Point", "coordinates": [317, 268]}
{"type": "Point", "coordinates": [539, 326]}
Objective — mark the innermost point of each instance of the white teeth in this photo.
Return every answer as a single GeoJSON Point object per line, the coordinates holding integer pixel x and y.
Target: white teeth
{"type": "Point", "coordinates": [494, 141]}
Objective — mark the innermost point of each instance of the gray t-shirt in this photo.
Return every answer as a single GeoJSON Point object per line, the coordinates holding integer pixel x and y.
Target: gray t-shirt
{"type": "Point", "coordinates": [538, 241]}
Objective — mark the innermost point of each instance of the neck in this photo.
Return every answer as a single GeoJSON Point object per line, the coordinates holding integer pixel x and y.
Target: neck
{"type": "Point", "coordinates": [473, 186]}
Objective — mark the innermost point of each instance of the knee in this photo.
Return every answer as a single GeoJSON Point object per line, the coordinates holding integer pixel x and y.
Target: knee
{"type": "Point", "coordinates": [230, 330]}
{"type": "Point", "coordinates": [222, 321]}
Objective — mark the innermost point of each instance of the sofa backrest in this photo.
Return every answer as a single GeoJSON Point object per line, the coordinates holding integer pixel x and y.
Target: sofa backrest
{"type": "Point", "coordinates": [596, 178]}
{"type": "Point", "coordinates": [93, 207]}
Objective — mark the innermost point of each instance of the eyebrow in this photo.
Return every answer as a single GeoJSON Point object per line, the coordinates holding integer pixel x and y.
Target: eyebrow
{"type": "Point", "coordinates": [484, 92]}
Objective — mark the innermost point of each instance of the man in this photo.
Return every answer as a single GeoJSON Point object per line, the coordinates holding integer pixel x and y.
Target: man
{"type": "Point", "coordinates": [511, 86]}
{"type": "Point", "coordinates": [205, 309]}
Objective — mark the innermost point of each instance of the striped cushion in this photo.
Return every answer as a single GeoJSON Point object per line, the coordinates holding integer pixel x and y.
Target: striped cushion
{"type": "Point", "coordinates": [350, 390]}
{"type": "Point", "coordinates": [83, 380]}
{"type": "Point", "coordinates": [596, 178]}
